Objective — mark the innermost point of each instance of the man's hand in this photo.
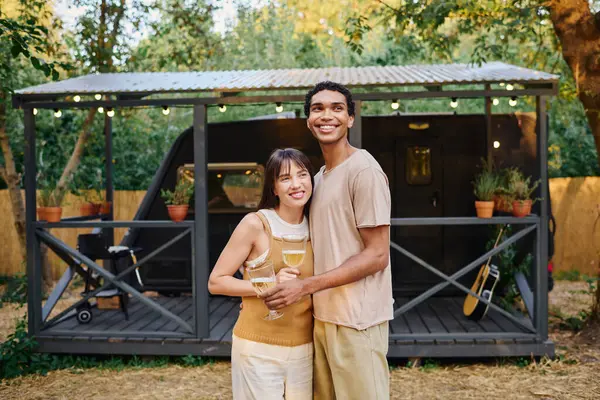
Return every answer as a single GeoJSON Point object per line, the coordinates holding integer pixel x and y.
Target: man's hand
{"type": "Point", "coordinates": [285, 294]}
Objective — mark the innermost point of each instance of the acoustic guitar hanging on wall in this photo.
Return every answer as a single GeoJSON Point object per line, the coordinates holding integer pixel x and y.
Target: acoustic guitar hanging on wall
{"type": "Point", "coordinates": [484, 286]}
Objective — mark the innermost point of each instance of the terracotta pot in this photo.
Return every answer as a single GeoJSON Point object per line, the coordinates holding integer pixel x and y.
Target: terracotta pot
{"type": "Point", "coordinates": [41, 211]}
{"type": "Point", "coordinates": [501, 203]}
{"type": "Point", "coordinates": [521, 208]}
{"type": "Point", "coordinates": [105, 207]}
{"type": "Point", "coordinates": [97, 207]}
{"type": "Point", "coordinates": [49, 214]}
{"type": "Point", "coordinates": [485, 209]}
{"type": "Point", "coordinates": [87, 209]}
{"type": "Point", "coordinates": [178, 213]}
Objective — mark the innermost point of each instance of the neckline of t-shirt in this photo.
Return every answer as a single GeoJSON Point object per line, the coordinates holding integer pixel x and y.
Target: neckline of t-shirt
{"type": "Point", "coordinates": [325, 171]}
{"type": "Point", "coordinates": [300, 225]}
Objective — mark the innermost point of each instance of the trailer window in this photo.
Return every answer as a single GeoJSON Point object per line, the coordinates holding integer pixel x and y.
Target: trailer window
{"type": "Point", "coordinates": [230, 185]}
{"type": "Point", "coordinates": [418, 165]}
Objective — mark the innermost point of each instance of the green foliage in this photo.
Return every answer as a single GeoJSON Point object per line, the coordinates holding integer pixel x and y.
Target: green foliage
{"type": "Point", "coordinates": [184, 189]}
{"type": "Point", "coordinates": [18, 357]}
{"type": "Point", "coordinates": [522, 362]}
{"type": "Point", "coordinates": [516, 186]}
{"type": "Point", "coordinates": [17, 354]}
{"type": "Point", "coordinates": [572, 275]}
{"type": "Point", "coordinates": [26, 36]}
{"type": "Point", "coordinates": [194, 361]}
{"type": "Point", "coordinates": [430, 365]}
{"type": "Point", "coordinates": [15, 290]}
{"type": "Point", "coordinates": [485, 184]}
{"type": "Point", "coordinates": [571, 150]}
{"type": "Point", "coordinates": [519, 33]}
{"type": "Point", "coordinates": [508, 261]}
{"type": "Point", "coordinates": [356, 29]}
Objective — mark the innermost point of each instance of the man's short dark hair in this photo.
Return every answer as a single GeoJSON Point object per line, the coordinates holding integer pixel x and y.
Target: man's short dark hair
{"type": "Point", "coordinates": [333, 86]}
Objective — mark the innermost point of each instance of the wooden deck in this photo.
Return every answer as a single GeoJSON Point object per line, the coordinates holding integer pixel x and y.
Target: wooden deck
{"type": "Point", "coordinates": [437, 322]}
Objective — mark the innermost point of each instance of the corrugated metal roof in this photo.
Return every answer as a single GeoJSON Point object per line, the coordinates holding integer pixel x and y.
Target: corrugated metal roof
{"type": "Point", "coordinates": [235, 81]}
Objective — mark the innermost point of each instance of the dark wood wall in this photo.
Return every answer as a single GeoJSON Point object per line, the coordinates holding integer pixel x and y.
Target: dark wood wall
{"type": "Point", "coordinates": [457, 143]}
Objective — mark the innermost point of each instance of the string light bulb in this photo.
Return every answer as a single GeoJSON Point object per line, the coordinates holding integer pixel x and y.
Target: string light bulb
{"type": "Point", "coordinates": [513, 101]}
{"type": "Point", "coordinates": [165, 110]}
{"type": "Point", "coordinates": [57, 113]}
{"type": "Point", "coordinates": [278, 107]}
{"type": "Point", "coordinates": [495, 101]}
{"type": "Point", "coordinates": [501, 83]}
{"type": "Point", "coordinates": [77, 98]}
{"type": "Point", "coordinates": [496, 144]}
{"type": "Point", "coordinates": [454, 102]}
{"type": "Point", "coordinates": [222, 107]}
{"type": "Point", "coordinates": [110, 112]}
{"type": "Point", "coordinates": [35, 111]}
{"type": "Point", "coordinates": [509, 87]}
{"type": "Point", "coordinates": [97, 96]}
{"type": "Point", "coordinates": [395, 104]}
{"type": "Point", "coordinates": [101, 110]}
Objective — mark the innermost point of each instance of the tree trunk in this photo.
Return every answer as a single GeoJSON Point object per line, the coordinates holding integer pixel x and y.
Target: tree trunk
{"type": "Point", "coordinates": [579, 34]}
{"type": "Point", "coordinates": [12, 180]}
{"type": "Point", "coordinates": [75, 158]}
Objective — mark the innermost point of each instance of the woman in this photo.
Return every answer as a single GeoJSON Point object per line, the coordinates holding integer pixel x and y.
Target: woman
{"type": "Point", "coordinates": [271, 358]}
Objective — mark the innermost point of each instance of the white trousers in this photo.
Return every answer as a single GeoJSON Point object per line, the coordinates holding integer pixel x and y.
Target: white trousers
{"type": "Point", "coordinates": [262, 371]}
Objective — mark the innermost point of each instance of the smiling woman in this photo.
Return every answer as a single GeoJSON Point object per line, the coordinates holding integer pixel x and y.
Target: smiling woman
{"type": "Point", "coordinates": [284, 338]}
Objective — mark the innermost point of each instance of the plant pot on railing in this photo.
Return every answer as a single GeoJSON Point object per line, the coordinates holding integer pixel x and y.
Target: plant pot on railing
{"type": "Point", "coordinates": [178, 200]}
{"type": "Point", "coordinates": [485, 209]}
{"type": "Point", "coordinates": [521, 208]}
{"type": "Point", "coordinates": [105, 207]}
{"type": "Point", "coordinates": [87, 209]}
{"type": "Point", "coordinates": [485, 186]}
{"type": "Point", "coordinates": [177, 213]}
{"type": "Point", "coordinates": [50, 201]}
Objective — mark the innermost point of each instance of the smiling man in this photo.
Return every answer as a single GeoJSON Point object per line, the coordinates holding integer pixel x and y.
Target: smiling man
{"type": "Point", "coordinates": [350, 235]}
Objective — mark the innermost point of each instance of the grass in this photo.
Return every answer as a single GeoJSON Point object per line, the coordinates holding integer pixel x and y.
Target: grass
{"type": "Point", "coordinates": [571, 375]}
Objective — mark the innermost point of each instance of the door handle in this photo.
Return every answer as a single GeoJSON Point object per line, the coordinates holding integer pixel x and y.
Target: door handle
{"type": "Point", "coordinates": [434, 198]}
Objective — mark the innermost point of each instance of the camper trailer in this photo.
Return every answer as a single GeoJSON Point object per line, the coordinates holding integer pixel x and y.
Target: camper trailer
{"type": "Point", "coordinates": [159, 272]}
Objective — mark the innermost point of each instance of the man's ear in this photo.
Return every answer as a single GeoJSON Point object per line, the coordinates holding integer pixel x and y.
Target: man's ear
{"type": "Point", "coordinates": [351, 121]}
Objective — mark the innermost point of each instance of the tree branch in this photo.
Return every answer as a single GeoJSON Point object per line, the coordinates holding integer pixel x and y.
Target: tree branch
{"type": "Point", "coordinates": [115, 32]}
{"type": "Point", "coordinates": [388, 6]}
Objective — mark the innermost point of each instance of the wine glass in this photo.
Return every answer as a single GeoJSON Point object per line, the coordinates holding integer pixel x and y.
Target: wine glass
{"type": "Point", "coordinates": [294, 249]}
{"type": "Point", "coordinates": [263, 278]}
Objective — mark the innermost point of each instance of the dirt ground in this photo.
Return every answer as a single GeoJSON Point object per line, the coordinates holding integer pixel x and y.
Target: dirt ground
{"type": "Point", "coordinates": [574, 374]}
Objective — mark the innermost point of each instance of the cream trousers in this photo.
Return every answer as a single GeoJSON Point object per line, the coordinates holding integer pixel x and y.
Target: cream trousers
{"type": "Point", "coordinates": [264, 371]}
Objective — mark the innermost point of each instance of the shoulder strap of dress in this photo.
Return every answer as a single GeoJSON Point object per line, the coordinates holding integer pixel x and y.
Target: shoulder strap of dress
{"type": "Point", "coordinates": [267, 227]}
{"type": "Point", "coordinates": [265, 222]}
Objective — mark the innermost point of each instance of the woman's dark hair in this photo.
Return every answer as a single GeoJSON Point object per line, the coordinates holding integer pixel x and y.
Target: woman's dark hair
{"type": "Point", "coordinates": [282, 159]}
{"type": "Point", "coordinates": [334, 87]}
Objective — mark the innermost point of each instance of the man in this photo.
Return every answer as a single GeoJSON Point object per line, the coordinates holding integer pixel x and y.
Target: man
{"type": "Point", "coordinates": [350, 234]}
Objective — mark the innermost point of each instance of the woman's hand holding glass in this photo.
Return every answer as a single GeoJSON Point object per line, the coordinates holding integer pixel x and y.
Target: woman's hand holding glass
{"type": "Point", "coordinates": [263, 278]}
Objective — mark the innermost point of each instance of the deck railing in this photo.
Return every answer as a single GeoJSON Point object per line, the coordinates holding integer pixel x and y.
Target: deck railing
{"type": "Point", "coordinates": [78, 263]}
{"type": "Point", "coordinates": [535, 306]}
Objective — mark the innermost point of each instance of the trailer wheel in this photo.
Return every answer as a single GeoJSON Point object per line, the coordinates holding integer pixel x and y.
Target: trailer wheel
{"type": "Point", "coordinates": [84, 315]}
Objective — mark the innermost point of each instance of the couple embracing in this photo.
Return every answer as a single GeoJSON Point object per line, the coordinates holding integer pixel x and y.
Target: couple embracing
{"type": "Point", "coordinates": [326, 331]}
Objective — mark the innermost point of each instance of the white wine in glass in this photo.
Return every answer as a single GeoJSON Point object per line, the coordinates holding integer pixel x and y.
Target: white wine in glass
{"type": "Point", "coordinates": [262, 279]}
{"type": "Point", "coordinates": [294, 249]}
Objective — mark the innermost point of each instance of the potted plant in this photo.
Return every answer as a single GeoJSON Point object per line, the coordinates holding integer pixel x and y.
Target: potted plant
{"type": "Point", "coordinates": [177, 201]}
{"type": "Point", "coordinates": [502, 197]}
{"type": "Point", "coordinates": [521, 189]}
{"type": "Point", "coordinates": [50, 204]}
{"type": "Point", "coordinates": [485, 186]}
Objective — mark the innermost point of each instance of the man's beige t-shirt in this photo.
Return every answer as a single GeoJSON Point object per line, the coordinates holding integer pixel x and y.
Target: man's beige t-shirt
{"type": "Point", "coordinates": [355, 194]}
